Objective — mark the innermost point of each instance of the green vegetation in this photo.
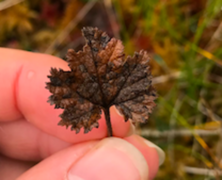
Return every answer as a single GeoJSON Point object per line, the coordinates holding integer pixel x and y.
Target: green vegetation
{"type": "Point", "coordinates": [183, 38]}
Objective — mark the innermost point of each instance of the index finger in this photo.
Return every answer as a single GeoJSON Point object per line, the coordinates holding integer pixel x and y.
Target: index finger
{"type": "Point", "coordinates": [23, 94]}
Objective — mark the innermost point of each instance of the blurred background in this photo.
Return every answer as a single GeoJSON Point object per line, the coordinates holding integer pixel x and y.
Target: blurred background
{"type": "Point", "coordinates": [183, 38]}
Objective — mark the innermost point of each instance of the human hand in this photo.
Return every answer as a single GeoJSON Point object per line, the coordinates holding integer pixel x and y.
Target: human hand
{"type": "Point", "coordinates": [29, 132]}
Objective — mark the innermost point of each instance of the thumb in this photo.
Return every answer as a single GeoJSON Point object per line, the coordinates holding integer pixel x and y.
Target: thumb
{"type": "Point", "coordinates": [110, 158]}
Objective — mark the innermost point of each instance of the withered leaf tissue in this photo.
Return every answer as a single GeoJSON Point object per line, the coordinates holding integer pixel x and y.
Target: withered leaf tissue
{"type": "Point", "coordinates": [101, 76]}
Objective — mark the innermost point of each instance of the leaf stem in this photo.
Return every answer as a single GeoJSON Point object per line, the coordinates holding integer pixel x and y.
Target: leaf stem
{"type": "Point", "coordinates": [108, 122]}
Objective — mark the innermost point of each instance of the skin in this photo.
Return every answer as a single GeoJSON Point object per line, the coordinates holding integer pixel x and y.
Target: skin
{"type": "Point", "coordinates": [33, 146]}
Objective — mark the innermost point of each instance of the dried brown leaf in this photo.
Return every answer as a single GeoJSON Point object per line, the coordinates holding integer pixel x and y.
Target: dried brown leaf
{"type": "Point", "coordinates": [100, 77]}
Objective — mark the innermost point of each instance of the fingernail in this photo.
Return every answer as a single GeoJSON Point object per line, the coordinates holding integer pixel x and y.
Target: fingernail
{"type": "Point", "coordinates": [112, 158]}
{"type": "Point", "coordinates": [160, 152]}
{"type": "Point", "coordinates": [118, 111]}
{"type": "Point", "coordinates": [131, 130]}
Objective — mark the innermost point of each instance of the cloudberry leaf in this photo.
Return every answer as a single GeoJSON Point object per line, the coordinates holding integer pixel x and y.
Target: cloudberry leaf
{"type": "Point", "coordinates": [100, 77]}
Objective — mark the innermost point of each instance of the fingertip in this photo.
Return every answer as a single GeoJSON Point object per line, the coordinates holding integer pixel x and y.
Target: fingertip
{"type": "Point", "coordinates": [111, 158]}
{"type": "Point", "coordinates": [120, 127]}
{"type": "Point", "coordinates": [160, 152]}
{"type": "Point", "coordinates": [151, 153]}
